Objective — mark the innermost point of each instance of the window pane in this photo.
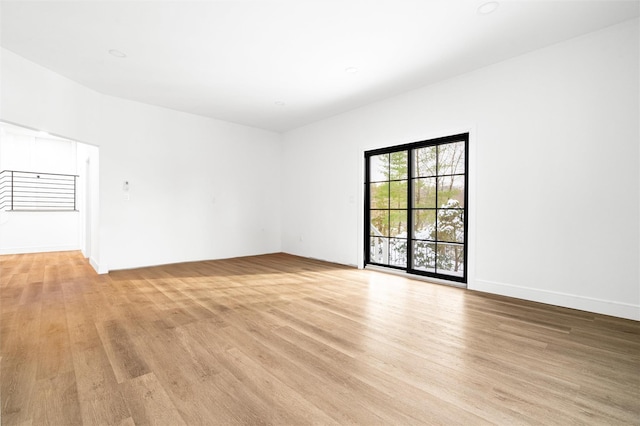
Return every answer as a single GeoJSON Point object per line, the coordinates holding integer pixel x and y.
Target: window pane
{"type": "Point", "coordinates": [451, 192]}
{"type": "Point", "coordinates": [424, 163]}
{"type": "Point", "coordinates": [379, 195]}
{"type": "Point", "coordinates": [424, 256]}
{"type": "Point", "coordinates": [379, 168]}
{"type": "Point", "coordinates": [398, 166]}
{"type": "Point", "coordinates": [424, 193]}
{"type": "Point", "coordinates": [398, 194]}
{"type": "Point", "coordinates": [379, 223]}
{"type": "Point", "coordinates": [450, 225]}
{"type": "Point", "coordinates": [398, 251]}
{"type": "Point", "coordinates": [398, 223]}
{"type": "Point", "coordinates": [424, 224]}
{"type": "Point", "coordinates": [451, 158]}
{"type": "Point", "coordinates": [378, 250]}
{"type": "Point", "coordinates": [450, 259]}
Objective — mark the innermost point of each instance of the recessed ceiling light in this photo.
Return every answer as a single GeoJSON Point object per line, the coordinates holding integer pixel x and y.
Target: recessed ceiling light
{"type": "Point", "coordinates": [279, 103]}
{"type": "Point", "coordinates": [351, 70]}
{"type": "Point", "coordinates": [488, 7]}
{"type": "Point", "coordinates": [117, 53]}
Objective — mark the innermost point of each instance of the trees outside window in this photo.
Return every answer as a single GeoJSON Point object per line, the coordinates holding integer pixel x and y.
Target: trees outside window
{"type": "Point", "coordinates": [416, 207]}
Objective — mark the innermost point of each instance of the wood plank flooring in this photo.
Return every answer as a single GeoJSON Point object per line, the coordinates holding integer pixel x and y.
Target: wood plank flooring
{"type": "Point", "coordinates": [278, 339]}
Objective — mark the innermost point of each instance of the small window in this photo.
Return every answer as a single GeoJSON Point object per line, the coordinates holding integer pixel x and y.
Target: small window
{"type": "Point", "coordinates": [415, 210]}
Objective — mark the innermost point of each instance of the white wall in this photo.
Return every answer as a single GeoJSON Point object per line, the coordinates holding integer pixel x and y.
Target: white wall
{"type": "Point", "coordinates": [199, 188]}
{"type": "Point", "coordinates": [36, 232]}
{"type": "Point", "coordinates": [22, 150]}
{"type": "Point", "coordinates": [30, 232]}
{"type": "Point", "coordinates": [88, 199]}
{"type": "Point", "coordinates": [554, 203]}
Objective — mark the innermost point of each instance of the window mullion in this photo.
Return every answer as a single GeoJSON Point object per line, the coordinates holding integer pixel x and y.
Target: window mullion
{"type": "Point", "coordinates": [387, 261]}
{"type": "Point", "coordinates": [410, 158]}
{"type": "Point", "coordinates": [435, 254]}
{"type": "Point", "coordinates": [367, 210]}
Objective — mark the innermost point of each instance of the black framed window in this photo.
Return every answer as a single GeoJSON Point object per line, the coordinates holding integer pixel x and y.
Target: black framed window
{"type": "Point", "coordinates": [415, 207]}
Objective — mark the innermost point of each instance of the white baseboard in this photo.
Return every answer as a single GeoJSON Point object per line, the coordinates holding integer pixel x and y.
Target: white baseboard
{"type": "Point", "coordinates": [100, 269]}
{"type": "Point", "coordinates": [583, 303]}
{"type": "Point", "coordinates": [46, 249]}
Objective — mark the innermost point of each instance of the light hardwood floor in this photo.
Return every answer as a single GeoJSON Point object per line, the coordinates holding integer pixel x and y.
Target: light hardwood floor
{"type": "Point", "coordinates": [278, 339]}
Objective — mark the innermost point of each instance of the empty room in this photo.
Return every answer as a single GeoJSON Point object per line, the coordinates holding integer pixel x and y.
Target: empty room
{"type": "Point", "coordinates": [320, 212]}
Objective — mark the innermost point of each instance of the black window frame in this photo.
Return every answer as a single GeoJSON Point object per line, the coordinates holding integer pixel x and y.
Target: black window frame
{"type": "Point", "coordinates": [410, 148]}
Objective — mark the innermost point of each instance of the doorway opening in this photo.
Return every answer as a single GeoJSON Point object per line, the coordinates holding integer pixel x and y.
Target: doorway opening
{"type": "Point", "coordinates": [48, 193]}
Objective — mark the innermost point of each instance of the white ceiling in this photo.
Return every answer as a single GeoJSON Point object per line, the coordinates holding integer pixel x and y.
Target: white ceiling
{"type": "Point", "coordinates": [235, 60]}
